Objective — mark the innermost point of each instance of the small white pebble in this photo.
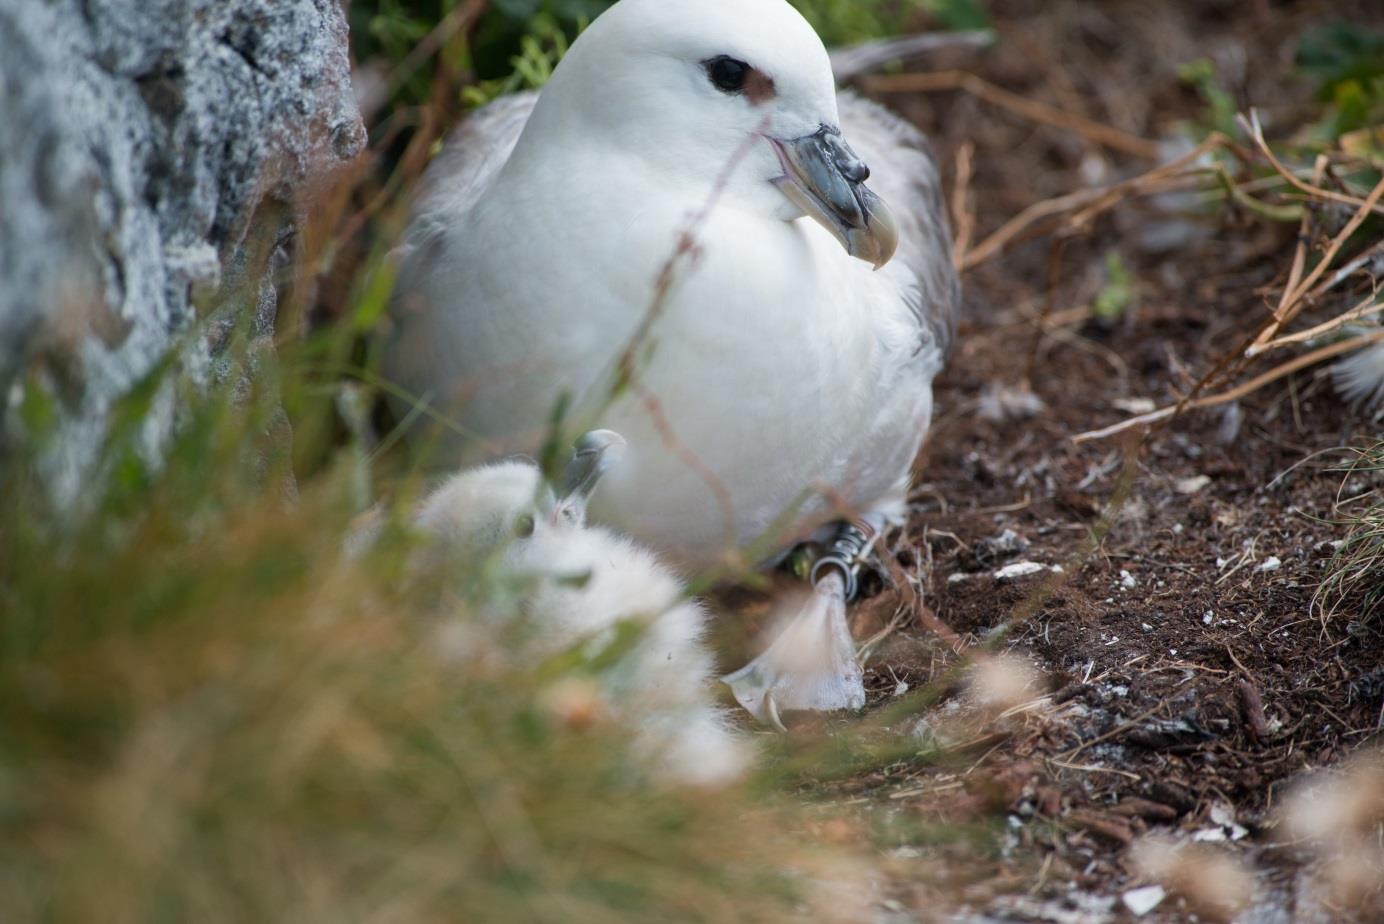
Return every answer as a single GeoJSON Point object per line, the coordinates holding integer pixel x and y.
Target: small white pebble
{"type": "Point", "coordinates": [1272, 563]}
{"type": "Point", "coordinates": [1141, 901]}
{"type": "Point", "coordinates": [1134, 405]}
{"type": "Point", "coordinates": [1127, 580]}
{"type": "Point", "coordinates": [901, 688]}
{"type": "Point", "coordinates": [1177, 529]}
{"type": "Point", "coordinates": [1191, 485]}
{"type": "Point", "coordinates": [1019, 569]}
{"type": "Point", "coordinates": [1146, 627]}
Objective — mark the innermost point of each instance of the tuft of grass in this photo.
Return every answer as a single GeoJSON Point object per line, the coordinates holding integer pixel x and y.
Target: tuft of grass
{"type": "Point", "coordinates": [1355, 575]}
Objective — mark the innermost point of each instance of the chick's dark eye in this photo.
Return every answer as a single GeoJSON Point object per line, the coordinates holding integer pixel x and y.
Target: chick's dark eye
{"type": "Point", "coordinates": [727, 74]}
{"type": "Point", "coordinates": [523, 527]}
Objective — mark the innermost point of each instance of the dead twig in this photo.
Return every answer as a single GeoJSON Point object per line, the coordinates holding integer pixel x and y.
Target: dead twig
{"type": "Point", "coordinates": [1252, 705]}
{"type": "Point", "coordinates": [1093, 202]}
{"type": "Point", "coordinates": [1363, 309]}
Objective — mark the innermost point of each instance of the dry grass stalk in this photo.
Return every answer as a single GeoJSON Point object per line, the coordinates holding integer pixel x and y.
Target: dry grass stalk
{"type": "Point", "coordinates": [1085, 205]}
{"type": "Point", "coordinates": [1295, 298]}
{"type": "Point", "coordinates": [1315, 189]}
{"type": "Point", "coordinates": [1305, 361]}
{"type": "Point", "coordinates": [1369, 305]}
{"type": "Point", "coordinates": [1299, 251]}
{"type": "Point", "coordinates": [963, 204]}
{"type": "Point", "coordinates": [940, 81]}
{"type": "Point", "coordinates": [1302, 289]}
{"type": "Point", "coordinates": [1074, 212]}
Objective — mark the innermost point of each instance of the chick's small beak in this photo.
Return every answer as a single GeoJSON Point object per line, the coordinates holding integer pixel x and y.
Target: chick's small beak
{"type": "Point", "coordinates": [826, 179]}
{"type": "Point", "coordinates": [593, 455]}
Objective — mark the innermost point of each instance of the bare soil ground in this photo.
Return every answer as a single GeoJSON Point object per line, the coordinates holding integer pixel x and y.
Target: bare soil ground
{"type": "Point", "coordinates": [1183, 674]}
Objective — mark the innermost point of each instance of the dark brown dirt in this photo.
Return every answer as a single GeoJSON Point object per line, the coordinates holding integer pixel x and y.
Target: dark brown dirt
{"type": "Point", "coordinates": [1184, 674]}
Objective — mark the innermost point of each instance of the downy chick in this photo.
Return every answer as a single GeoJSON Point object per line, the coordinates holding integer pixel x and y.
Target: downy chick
{"type": "Point", "coordinates": [580, 583]}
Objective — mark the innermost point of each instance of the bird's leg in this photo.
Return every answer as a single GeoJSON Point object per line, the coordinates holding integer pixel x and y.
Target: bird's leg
{"type": "Point", "coordinates": [847, 553]}
{"type": "Point", "coordinates": [811, 664]}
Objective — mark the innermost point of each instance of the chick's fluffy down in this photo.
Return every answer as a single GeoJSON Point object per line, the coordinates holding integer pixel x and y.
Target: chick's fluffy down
{"type": "Point", "coordinates": [580, 586]}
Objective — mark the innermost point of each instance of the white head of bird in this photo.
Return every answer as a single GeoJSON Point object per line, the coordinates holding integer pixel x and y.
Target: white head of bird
{"type": "Point", "coordinates": [496, 506]}
{"type": "Point", "coordinates": [734, 99]}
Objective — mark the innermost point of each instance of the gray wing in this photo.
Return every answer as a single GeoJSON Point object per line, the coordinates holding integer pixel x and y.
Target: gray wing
{"type": "Point", "coordinates": [904, 174]}
{"type": "Point", "coordinates": [470, 160]}
{"type": "Point", "coordinates": [415, 355]}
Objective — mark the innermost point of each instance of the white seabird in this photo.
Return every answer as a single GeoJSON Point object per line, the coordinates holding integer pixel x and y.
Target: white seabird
{"type": "Point", "coordinates": [675, 240]}
{"type": "Point", "coordinates": [782, 364]}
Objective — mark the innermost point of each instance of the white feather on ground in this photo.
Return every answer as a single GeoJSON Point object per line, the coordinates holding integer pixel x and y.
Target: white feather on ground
{"type": "Point", "coordinates": [1359, 379]}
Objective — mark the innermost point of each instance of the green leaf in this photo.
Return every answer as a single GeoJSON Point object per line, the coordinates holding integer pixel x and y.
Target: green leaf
{"type": "Point", "coordinates": [1220, 105]}
{"type": "Point", "coordinates": [958, 15]}
{"type": "Point", "coordinates": [1340, 52]}
{"type": "Point", "coordinates": [1118, 292]}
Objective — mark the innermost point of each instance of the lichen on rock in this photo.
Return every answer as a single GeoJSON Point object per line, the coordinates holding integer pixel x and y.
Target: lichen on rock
{"type": "Point", "coordinates": [151, 169]}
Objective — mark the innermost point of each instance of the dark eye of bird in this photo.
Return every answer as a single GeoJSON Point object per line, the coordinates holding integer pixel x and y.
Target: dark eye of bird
{"type": "Point", "coordinates": [727, 74]}
{"type": "Point", "coordinates": [523, 527]}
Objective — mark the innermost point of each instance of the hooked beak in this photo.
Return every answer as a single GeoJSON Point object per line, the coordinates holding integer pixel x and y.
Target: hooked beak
{"type": "Point", "coordinates": [594, 454]}
{"type": "Point", "coordinates": [826, 179]}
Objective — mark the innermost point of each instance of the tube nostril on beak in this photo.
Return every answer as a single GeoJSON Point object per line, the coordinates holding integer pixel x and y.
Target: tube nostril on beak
{"type": "Point", "coordinates": [857, 171]}
{"type": "Point", "coordinates": [845, 160]}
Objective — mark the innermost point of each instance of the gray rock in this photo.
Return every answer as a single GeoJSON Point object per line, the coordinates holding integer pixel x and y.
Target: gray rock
{"type": "Point", "coordinates": [153, 154]}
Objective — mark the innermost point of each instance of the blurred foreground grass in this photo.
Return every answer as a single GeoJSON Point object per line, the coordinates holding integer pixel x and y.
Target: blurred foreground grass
{"type": "Point", "coordinates": [207, 714]}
